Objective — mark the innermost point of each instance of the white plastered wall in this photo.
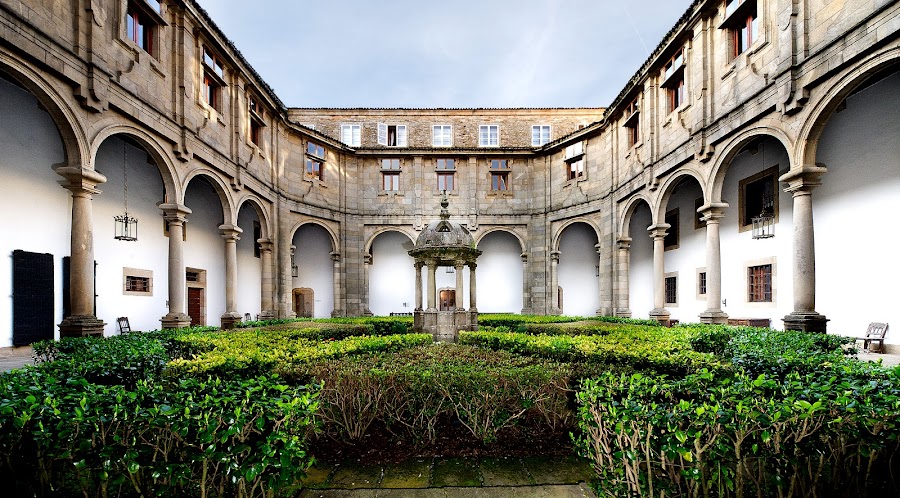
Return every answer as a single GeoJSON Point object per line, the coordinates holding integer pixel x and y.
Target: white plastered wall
{"type": "Point", "coordinates": [690, 255]}
{"type": "Point", "coordinates": [204, 248]}
{"type": "Point", "coordinates": [38, 210]}
{"type": "Point", "coordinates": [856, 241]}
{"type": "Point", "coordinates": [577, 271]}
{"type": "Point", "coordinates": [498, 276]}
{"type": "Point", "coordinates": [312, 254]}
{"type": "Point", "coordinates": [249, 275]}
{"type": "Point", "coordinates": [392, 277]}
{"type": "Point", "coordinates": [640, 273]}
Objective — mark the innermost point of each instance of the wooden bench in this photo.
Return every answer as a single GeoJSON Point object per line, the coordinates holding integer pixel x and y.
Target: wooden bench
{"type": "Point", "coordinates": [875, 333]}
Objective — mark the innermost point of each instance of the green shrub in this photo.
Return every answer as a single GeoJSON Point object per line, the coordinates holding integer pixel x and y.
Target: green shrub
{"type": "Point", "coordinates": [832, 432]}
{"type": "Point", "coordinates": [69, 437]}
{"type": "Point", "coordinates": [117, 360]}
{"type": "Point", "coordinates": [592, 327]}
{"type": "Point", "coordinates": [514, 321]}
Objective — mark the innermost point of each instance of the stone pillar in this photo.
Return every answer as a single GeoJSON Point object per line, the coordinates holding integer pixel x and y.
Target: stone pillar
{"type": "Point", "coordinates": [473, 308]}
{"type": "Point", "coordinates": [176, 216]}
{"type": "Point", "coordinates": [659, 311]}
{"type": "Point", "coordinates": [82, 321]}
{"type": "Point", "coordinates": [267, 301]}
{"type": "Point", "coordinates": [554, 283]}
{"type": "Point", "coordinates": [459, 285]}
{"type": "Point", "coordinates": [526, 305]}
{"type": "Point", "coordinates": [231, 234]}
{"type": "Point", "coordinates": [285, 305]}
{"type": "Point", "coordinates": [801, 182]}
{"type": "Point", "coordinates": [432, 286]}
{"type": "Point", "coordinates": [623, 247]}
{"type": "Point", "coordinates": [336, 277]}
{"type": "Point", "coordinates": [367, 263]}
{"type": "Point", "coordinates": [418, 266]}
{"type": "Point", "coordinates": [712, 215]}
{"type": "Point", "coordinates": [599, 311]}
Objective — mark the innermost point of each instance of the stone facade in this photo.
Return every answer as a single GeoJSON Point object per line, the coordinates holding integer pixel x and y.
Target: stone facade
{"type": "Point", "coordinates": [97, 83]}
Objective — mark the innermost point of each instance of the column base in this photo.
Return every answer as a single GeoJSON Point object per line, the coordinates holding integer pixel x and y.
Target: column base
{"type": "Point", "coordinates": [661, 315]}
{"type": "Point", "coordinates": [81, 326]}
{"type": "Point", "coordinates": [267, 315]}
{"type": "Point", "coordinates": [623, 313]}
{"type": "Point", "coordinates": [230, 319]}
{"type": "Point", "coordinates": [337, 313]}
{"type": "Point", "coordinates": [368, 312]}
{"type": "Point", "coordinates": [805, 321]}
{"type": "Point", "coordinates": [714, 317]}
{"type": "Point", "coordinates": [175, 321]}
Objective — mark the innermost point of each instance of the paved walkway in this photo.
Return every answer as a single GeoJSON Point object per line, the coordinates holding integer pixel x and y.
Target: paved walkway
{"type": "Point", "coordinates": [549, 477]}
{"type": "Point", "coordinates": [11, 358]}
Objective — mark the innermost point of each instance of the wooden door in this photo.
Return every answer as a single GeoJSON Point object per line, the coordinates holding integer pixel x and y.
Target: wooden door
{"type": "Point", "coordinates": [448, 300]}
{"type": "Point", "coordinates": [303, 302]}
{"type": "Point", "coordinates": [32, 297]}
{"type": "Point", "coordinates": [195, 306]}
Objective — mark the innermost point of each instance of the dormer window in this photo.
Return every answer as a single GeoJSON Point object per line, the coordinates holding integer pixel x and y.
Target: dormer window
{"type": "Point", "coordinates": [391, 135]}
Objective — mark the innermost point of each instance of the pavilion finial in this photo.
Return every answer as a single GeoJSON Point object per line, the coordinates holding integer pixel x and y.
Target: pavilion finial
{"type": "Point", "coordinates": [445, 214]}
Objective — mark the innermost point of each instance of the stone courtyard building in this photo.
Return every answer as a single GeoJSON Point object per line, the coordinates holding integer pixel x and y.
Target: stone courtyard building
{"type": "Point", "coordinates": [747, 172]}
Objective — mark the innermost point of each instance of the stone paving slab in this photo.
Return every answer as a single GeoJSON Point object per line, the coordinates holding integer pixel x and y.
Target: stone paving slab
{"type": "Point", "coordinates": [12, 358]}
{"type": "Point", "coordinates": [414, 473]}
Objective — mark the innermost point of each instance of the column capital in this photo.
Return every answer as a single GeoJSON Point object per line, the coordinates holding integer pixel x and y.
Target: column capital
{"type": "Point", "coordinates": [458, 265]}
{"type": "Point", "coordinates": [554, 256]}
{"type": "Point", "coordinates": [659, 230]}
{"type": "Point", "coordinates": [335, 256]}
{"type": "Point", "coordinates": [802, 180]}
{"type": "Point", "coordinates": [367, 259]}
{"type": "Point", "coordinates": [472, 266]}
{"type": "Point", "coordinates": [174, 212]}
{"type": "Point", "coordinates": [230, 232]}
{"type": "Point", "coordinates": [524, 257]}
{"type": "Point", "coordinates": [597, 247]}
{"type": "Point", "coordinates": [623, 243]}
{"type": "Point", "coordinates": [80, 180]}
{"type": "Point", "coordinates": [266, 245]}
{"type": "Point", "coordinates": [712, 211]}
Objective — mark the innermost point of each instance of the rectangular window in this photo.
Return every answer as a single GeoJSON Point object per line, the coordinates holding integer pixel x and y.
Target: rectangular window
{"type": "Point", "coordinates": [446, 174]}
{"type": "Point", "coordinates": [499, 175]}
{"type": "Point", "coordinates": [315, 149]}
{"type": "Point", "coordinates": [671, 290]}
{"type": "Point", "coordinates": [540, 135]}
{"type": "Point", "coordinates": [139, 27]}
{"type": "Point", "coordinates": [759, 284]}
{"type": "Point", "coordinates": [137, 282]}
{"type": "Point", "coordinates": [314, 169]}
{"type": "Point", "coordinates": [442, 136]}
{"type": "Point", "coordinates": [673, 80]}
{"type": "Point", "coordinates": [390, 175]}
{"type": "Point", "coordinates": [632, 123]}
{"type": "Point", "coordinates": [391, 135]}
{"type": "Point", "coordinates": [255, 112]}
{"type": "Point", "coordinates": [701, 283]}
{"type": "Point", "coordinates": [757, 196]}
{"type": "Point", "coordinates": [575, 169]}
{"type": "Point", "coordinates": [489, 135]}
{"type": "Point", "coordinates": [671, 240]}
{"type": "Point", "coordinates": [213, 79]}
{"type": "Point", "coordinates": [742, 24]}
{"type": "Point", "coordinates": [351, 134]}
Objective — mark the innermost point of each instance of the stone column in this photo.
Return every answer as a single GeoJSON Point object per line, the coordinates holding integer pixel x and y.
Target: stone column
{"type": "Point", "coordinates": [623, 247]}
{"type": "Point", "coordinates": [599, 311]}
{"type": "Point", "coordinates": [712, 215]}
{"type": "Point", "coordinates": [473, 308]}
{"type": "Point", "coordinates": [336, 277]}
{"type": "Point", "coordinates": [285, 239]}
{"type": "Point", "coordinates": [367, 263]}
{"type": "Point", "coordinates": [459, 286]}
{"type": "Point", "coordinates": [82, 321]}
{"type": "Point", "coordinates": [432, 294]}
{"type": "Point", "coordinates": [801, 182]}
{"type": "Point", "coordinates": [231, 234]}
{"type": "Point", "coordinates": [526, 304]}
{"type": "Point", "coordinates": [418, 266]}
{"type": "Point", "coordinates": [176, 216]}
{"type": "Point", "coordinates": [267, 301]}
{"type": "Point", "coordinates": [554, 283]}
{"type": "Point", "coordinates": [659, 311]}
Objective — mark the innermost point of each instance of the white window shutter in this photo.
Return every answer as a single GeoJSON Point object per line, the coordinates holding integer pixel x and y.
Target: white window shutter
{"type": "Point", "coordinates": [382, 134]}
{"type": "Point", "coordinates": [346, 135]}
{"type": "Point", "coordinates": [357, 135]}
{"type": "Point", "coordinates": [401, 136]}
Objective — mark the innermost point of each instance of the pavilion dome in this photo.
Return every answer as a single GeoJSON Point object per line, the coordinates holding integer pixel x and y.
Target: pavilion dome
{"type": "Point", "coordinates": [443, 234]}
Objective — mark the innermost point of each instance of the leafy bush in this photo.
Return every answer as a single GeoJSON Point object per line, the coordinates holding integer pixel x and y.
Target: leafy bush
{"type": "Point", "coordinates": [69, 437]}
{"type": "Point", "coordinates": [592, 327]}
{"type": "Point", "coordinates": [410, 392]}
{"type": "Point", "coordinates": [117, 360]}
{"type": "Point", "coordinates": [514, 321]}
{"type": "Point", "coordinates": [833, 432]}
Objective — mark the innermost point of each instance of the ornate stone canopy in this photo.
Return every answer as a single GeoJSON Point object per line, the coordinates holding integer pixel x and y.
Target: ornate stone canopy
{"type": "Point", "coordinates": [445, 242]}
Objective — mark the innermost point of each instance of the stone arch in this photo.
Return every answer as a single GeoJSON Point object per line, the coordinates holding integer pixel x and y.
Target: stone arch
{"type": "Point", "coordinates": [766, 128]}
{"type": "Point", "coordinates": [331, 234]}
{"type": "Point", "coordinates": [581, 219]}
{"type": "Point", "coordinates": [368, 247]}
{"type": "Point", "coordinates": [150, 146]}
{"type": "Point", "coordinates": [228, 211]}
{"type": "Point", "coordinates": [510, 231]}
{"type": "Point", "coordinates": [628, 210]}
{"type": "Point", "coordinates": [854, 78]}
{"type": "Point", "coordinates": [75, 143]}
{"type": "Point", "coordinates": [668, 187]}
{"type": "Point", "coordinates": [263, 214]}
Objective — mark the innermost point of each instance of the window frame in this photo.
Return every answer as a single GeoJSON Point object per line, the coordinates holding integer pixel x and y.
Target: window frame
{"type": "Point", "coordinates": [255, 113]}
{"type": "Point", "coordinates": [355, 137]}
{"type": "Point", "coordinates": [314, 166]}
{"type": "Point", "coordinates": [760, 283]}
{"type": "Point", "coordinates": [674, 80]}
{"type": "Point", "coordinates": [702, 284]}
{"type": "Point", "coordinates": [137, 274]}
{"type": "Point", "coordinates": [392, 173]}
{"type": "Point", "coordinates": [673, 233]}
{"type": "Point", "coordinates": [540, 136]}
{"type": "Point", "coordinates": [500, 170]}
{"type": "Point", "coordinates": [488, 141]}
{"type": "Point", "coordinates": [442, 171]}
{"type": "Point", "coordinates": [670, 282]}
{"type": "Point", "coordinates": [446, 135]}
{"type": "Point", "coordinates": [400, 136]}
{"type": "Point", "coordinates": [213, 87]}
{"type": "Point", "coordinates": [745, 219]}
{"type": "Point", "coordinates": [136, 10]}
{"type": "Point", "coordinates": [633, 122]}
{"type": "Point", "coordinates": [575, 170]}
{"type": "Point", "coordinates": [744, 15]}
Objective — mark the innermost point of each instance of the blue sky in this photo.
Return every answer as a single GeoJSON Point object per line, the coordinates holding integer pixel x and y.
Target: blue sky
{"type": "Point", "coordinates": [421, 53]}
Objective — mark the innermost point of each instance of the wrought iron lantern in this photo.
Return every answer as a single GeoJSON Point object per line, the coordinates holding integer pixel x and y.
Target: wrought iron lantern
{"type": "Point", "coordinates": [126, 226]}
{"type": "Point", "coordinates": [295, 270]}
{"type": "Point", "coordinates": [764, 226]}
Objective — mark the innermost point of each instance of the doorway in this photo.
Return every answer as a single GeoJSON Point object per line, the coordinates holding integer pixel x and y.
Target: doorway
{"type": "Point", "coordinates": [447, 299]}
{"type": "Point", "coordinates": [32, 297]}
{"type": "Point", "coordinates": [303, 302]}
{"type": "Point", "coordinates": [196, 296]}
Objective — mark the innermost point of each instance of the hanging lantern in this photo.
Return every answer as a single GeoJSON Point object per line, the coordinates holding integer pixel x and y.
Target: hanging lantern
{"type": "Point", "coordinates": [295, 270]}
{"type": "Point", "coordinates": [126, 226]}
{"type": "Point", "coordinates": [763, 226]}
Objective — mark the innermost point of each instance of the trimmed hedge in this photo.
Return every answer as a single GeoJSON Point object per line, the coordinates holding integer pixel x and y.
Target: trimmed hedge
{"type": "Point", "coordinates": [513, 321]}
{"type": "Point", "coordinates": [833, 432]}
{"type": "Point", "coordinates": [375, 325]}
{"type": "Point", "coordinates": [69, 437]}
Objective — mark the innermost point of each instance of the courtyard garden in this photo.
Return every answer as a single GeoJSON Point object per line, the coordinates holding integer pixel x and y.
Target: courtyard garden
{"type": "Point", "coordinates": [693, 410]}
